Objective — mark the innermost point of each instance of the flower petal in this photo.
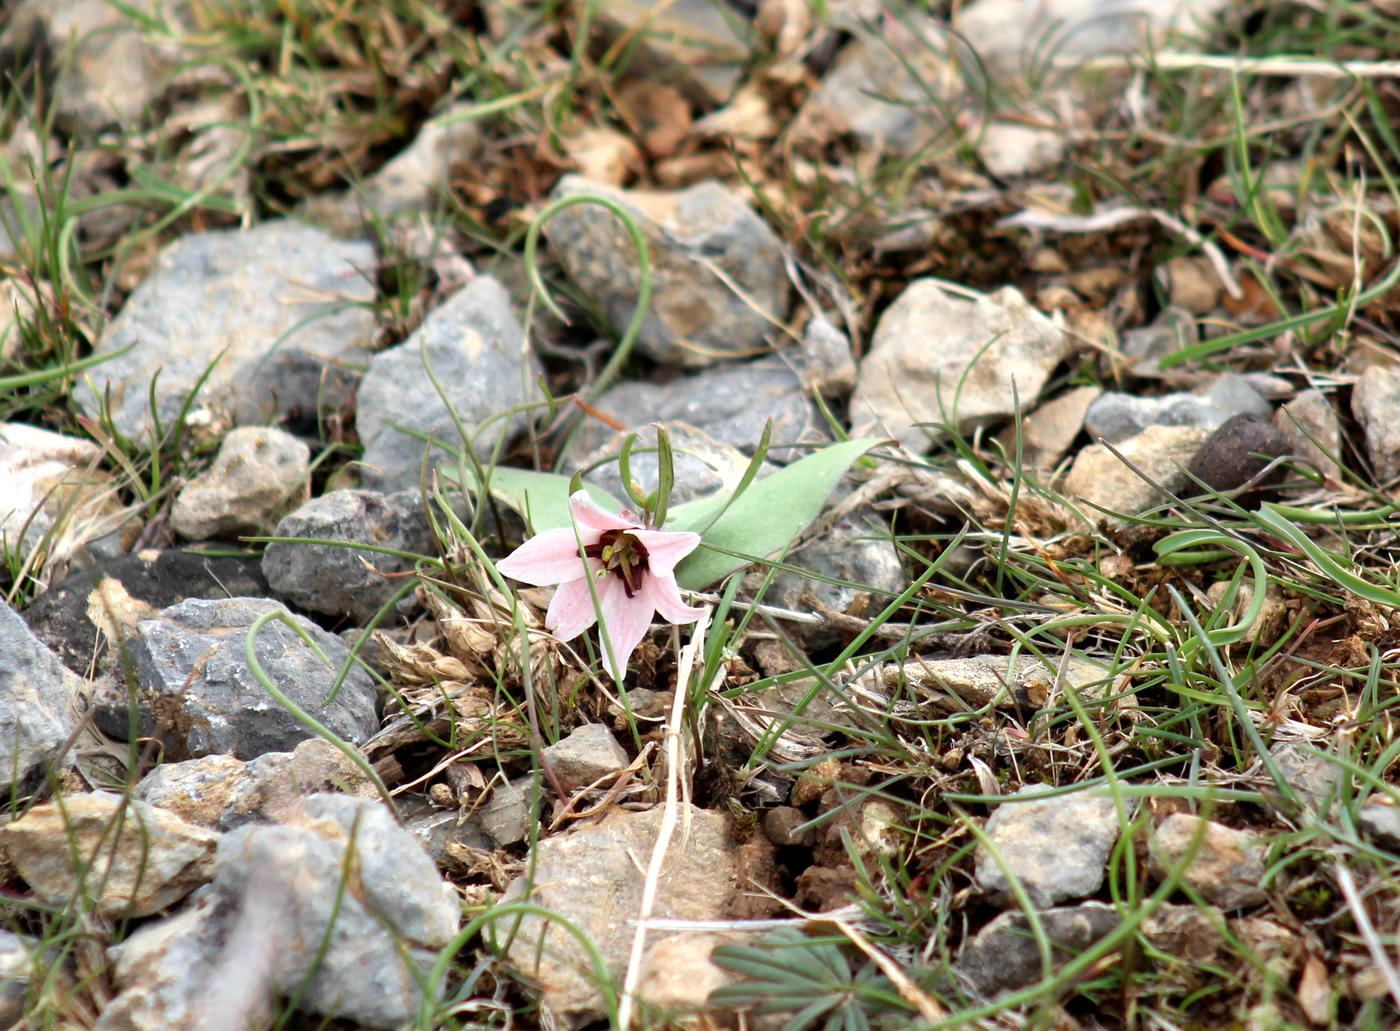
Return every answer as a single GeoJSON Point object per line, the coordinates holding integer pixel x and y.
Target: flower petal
{"type": "Point", "coordinates": [626, 620]}
{"type": "Point", "coordinates": [665, 548]}
{"type": "Point", "coordinates": [592, 518]}
{"type": "Point", "coordinates": [571, 610]}
{"type": "Point", "coordinates": [551, 557]}
{"type": "Point", "coordinates": [663, 594]}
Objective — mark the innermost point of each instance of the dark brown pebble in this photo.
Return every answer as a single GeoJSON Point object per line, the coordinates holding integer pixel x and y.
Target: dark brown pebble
{"type": "Point", "coordinates": [1237, 451]}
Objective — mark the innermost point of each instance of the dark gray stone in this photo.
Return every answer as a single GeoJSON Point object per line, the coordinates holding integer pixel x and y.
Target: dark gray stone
{"type": "Point", "coordinates": [336, 580]}
{"type": "Point", "coordinates": [703, 44]}
{"type": "Point", "coordinates": [730, 405]}
{"type": "Point", "coordinates": [1115, 417]}
{"type": "Point", "coordinates": [849, 553]}
{"type": "Point", "coordinates": [473, 342]}
{"type": "Point", "coordinates": [506, 814]}
{"type": "Point", "coordinates": [190, 663]}
{"type": "Point", "coordinates": [1057, 847]}
{"type": "Point", "coordinates": [39, 701]}
{"type": "Point", "coordinates": [698, 238]}
{"type": "Point", "coordinates": [286, 303]}
{"type": "Point", "coordinates": [1003, 956]}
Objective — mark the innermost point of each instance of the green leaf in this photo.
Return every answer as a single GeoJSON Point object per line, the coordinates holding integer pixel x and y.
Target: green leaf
{"type": "Point", "coordinates": [542, 497]}
{"type": "Point", "coordinates": [765, 519]}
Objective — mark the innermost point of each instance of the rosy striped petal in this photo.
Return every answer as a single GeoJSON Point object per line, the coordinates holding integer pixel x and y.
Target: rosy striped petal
{"type": "Point", "coordinates": [626, 621]}
{"type": "Point", "coordinates": [592, 518]}
{"type": "Point", "coordinates": [663, 594]}
{"type": "Point", "coordinates": [571, 610]}
{"type": "Point", "coordinates": [551, 557]}
{"type": "Point", "coordinates": [666, 548]}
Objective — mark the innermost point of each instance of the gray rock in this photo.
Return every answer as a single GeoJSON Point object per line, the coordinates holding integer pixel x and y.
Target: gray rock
{"type": "Point", "coordinates": [190, 661]}
{"type": "Point", "coordinates": [1381, 820]}
{"type": "Point", "coordinates": [1027, 681]}
{"type": "Point", "coordinates": [265, 927]}
{"type": "Point", "coordinates": [1146, 346]}
{"type": "Point", "coordinates": [506, 814]}
{"type": "Point", "coordinates": [730, 405]}
{"type": "Point", "coordinates": [1048, 432]}
{"type": "Point", "coordinates": [825, 363]}
{"type": "Point", "coordinates": [221, 792]}
{"type": "Point", "coordinates": [1104, 481]}
{"type": "Point", "coordinates": [704, 44]}
{"type": "Point", "coordinates": [1057, 848]}
{"type": "Point", "coordinates": [1004, 956]}
{"type": "Point", "coordinates": [129, 858]}
{"type": "Point", "coordinates": [52, 494]}
{"type": "Point", "coordinates": [718, 275]}
{"type": "Point", "coordinates": [17, 975]}
{"type": "Point", "coordinates": [1374, 402]}
{"type": "Point", "coordinates": [339, 581]}
{"type": "Point", "coordinates": [473, 342]}
{"type": "Point", "coordinates": [1224, 865]}
{"type": "Point", "coordinates": [702, 465]}
{"type": "Point", "coordinates": [1115, 417]}
{"type": "Point", "coordinates": [286, 304]}
{"type": "Point", "coordinates": [115, 71]}
{"type": "Point", "coordinates": [1313, 778]}
{"type": "Point", "coordinates": [866, 559]}
{"type": "Point", "coordinates": [39, 701]}
{"type": "Point", "coordinates": [1310, 425]}
{"type": "Point", "coordinates": [444, 833]}
{"type": "Point", "coordinates": [588, 753]}
{"type": "Point", "coordinates": [411, 182]}
{"type": "Point", "coordinates": [937, 359]}
{"type": "Point", "coordinates": [588, 874]}
{"type": "Point", "coordinates": [257, 475]}
{"type": "Point", "coordinates": [879, 90]}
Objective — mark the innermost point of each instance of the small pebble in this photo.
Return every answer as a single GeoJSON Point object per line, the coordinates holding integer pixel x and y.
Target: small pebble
{"type": "Point", "coordinates": [1230, 457]}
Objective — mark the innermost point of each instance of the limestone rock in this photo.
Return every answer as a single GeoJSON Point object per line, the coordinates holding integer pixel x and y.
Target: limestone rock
{"type": "Point", "coordinates": [130, 858]}
{"type": "Point", "coordinates": [1225, 865]}
{"type": "Point", "coordinates": [258, 473]}
{"type": "Point", "coordinates": [39, 701]}
{"type": "Point", "coordinates": [718, 273]}
{"type": "Point", "coordinates": [936, 358]}
{"type": "Point", "coordinates": [1104, 481]}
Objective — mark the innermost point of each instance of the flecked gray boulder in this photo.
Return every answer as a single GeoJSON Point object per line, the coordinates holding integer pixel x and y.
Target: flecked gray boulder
{"type": "Point", "coordinates": [938, 359]}
{"type": "Point", "coordinates": [589, 752]}
{"type": "Point", "coordinates": [39, 701]}
{"type": "Point", "coordinates": [1056, 848]}
{"type": "Point", "coordinates": [474, 344]}
{"type": "Point", "coordinates": [1115, 417]}
{"type": "Point", "coordinates": [1374, 401]}
{"type": "Point", "coordinates": [191, 666]}
{"type": "Point", "coordinates": [730, 404]}
{"type": "Point", "coordinates": [291, 913]}
{"type": "Point", "coordinates": [718, 273]}
{"type": "Point", "coordinates": [341, 581]}
{"type": "Point", "coordinates": [115, 71]}
{"type": "Point", "coordinates": [286, 304]}
{"type": "Point", "coordinates": [258, 473]}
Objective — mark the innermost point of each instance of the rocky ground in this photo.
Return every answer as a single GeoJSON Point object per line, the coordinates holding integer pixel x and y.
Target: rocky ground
{"type": "Point", "coordinates": [1072, 707]}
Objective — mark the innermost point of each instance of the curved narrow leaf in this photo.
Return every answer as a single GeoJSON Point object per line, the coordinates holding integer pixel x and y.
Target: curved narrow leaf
{"type": "Point", "coordinates": [765, 518]}
{"type": "Point", "coordinates": [542, 497]}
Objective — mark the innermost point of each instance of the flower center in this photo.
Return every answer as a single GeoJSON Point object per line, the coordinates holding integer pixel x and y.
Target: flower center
{"type": "Point", "coordinates": [621, 554]}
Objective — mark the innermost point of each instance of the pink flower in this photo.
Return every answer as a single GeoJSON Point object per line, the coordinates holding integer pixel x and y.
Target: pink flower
{"type": "Point", "coordinates": [633, 574]}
